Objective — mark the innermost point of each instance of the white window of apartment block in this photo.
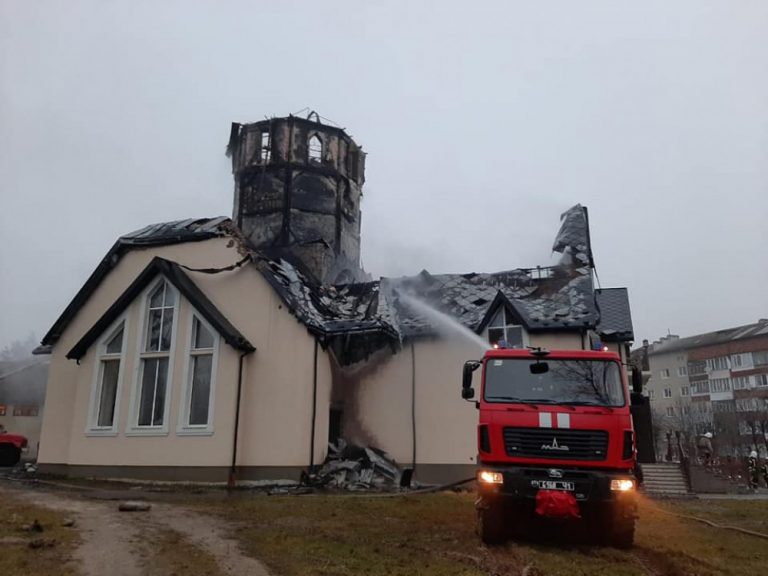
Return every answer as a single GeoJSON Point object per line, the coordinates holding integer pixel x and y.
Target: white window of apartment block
{"type": "Point", "coordinates": [684, 391]}
{"type": "Point", "coordinates": [720, 384]}
{"type": "Point", "coordinates": [667, 392]}
{"type": "Point", "coordinates": [719, 363]}
{"type": "Point", "coordinates": [682, 371]}
{"type": "Point", "coordinates": [741, 382]}
{"type": "Point", "coordinates": [761, 379]}
{"type": "Point", "coordinates": [670, 411]}
{"type": "Point", "coordinates": [664, 374]}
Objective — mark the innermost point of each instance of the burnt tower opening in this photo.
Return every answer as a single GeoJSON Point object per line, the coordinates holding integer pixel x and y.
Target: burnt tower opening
{"type": "Point", "coordinates": [298, 187]}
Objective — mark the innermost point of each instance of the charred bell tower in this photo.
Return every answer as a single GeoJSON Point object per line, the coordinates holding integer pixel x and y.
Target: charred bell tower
{"type": "Point", "coordinates": [298, 186]}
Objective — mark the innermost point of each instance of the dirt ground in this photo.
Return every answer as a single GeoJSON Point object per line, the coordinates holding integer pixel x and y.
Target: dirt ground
{"type": "Point", "coordinates": [140, 543]}
{"type": "Point", "coordinates": [246, 533]}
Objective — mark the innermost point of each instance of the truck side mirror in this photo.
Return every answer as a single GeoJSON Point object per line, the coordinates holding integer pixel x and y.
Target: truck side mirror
{"type": "Point", "coordinates": [637, 380]}
{"type": "Point", "coordinates": [467, 392]}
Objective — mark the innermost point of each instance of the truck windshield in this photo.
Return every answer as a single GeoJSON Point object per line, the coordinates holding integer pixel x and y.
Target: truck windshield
{"type": "Point", "coordinates": [579, 382]}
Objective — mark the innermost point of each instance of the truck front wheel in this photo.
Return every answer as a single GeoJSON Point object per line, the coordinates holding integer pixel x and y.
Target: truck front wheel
{"type": "Point", "coordinates": [9, 455]}
{"type": "Point", "coordinates": [490, 522]}
{"type": "Point", "coordinates": [621, 527]}
{"type": "Point", "coordinates": [623, 534]}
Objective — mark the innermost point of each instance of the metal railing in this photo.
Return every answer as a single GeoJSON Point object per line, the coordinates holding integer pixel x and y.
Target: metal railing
{"type": "Point", "coordinates": [685, 462]}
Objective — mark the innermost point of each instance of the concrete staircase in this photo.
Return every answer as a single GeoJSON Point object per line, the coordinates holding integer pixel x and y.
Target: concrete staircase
{"type": "Point", "coordinates": [664, 480]}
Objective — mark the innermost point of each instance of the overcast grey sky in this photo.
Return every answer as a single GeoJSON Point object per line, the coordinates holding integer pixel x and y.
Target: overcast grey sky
{"type": "Point", "coordinates": [482, 121]}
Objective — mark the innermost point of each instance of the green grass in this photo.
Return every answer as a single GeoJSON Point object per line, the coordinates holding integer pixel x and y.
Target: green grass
{"type": "Point", "coordinates": [16, 557]}
{"type": "Point", "coordinates": [434, 534]}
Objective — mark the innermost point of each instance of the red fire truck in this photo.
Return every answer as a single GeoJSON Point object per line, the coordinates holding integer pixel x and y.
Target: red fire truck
{"type": "Point", "coordinates": [555, 443]}
{"type": "Point", "coordinates": [11, 447]}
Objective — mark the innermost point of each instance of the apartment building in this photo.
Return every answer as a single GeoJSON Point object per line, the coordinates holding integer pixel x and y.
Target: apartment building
{"type": "Point", "coordinates": [715, 382]}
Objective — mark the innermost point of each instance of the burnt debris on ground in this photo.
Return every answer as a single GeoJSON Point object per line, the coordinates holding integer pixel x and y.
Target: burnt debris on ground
{"type": "Point", "coordinates": [356, 468]}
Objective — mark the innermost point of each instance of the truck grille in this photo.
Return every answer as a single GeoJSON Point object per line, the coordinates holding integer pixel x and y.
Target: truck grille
{"type": "Point", "coordinates": [556, 443]}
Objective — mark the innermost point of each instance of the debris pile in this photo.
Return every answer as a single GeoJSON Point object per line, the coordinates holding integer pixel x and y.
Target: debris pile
{"type": "Point", "coordinates": [355, 468]}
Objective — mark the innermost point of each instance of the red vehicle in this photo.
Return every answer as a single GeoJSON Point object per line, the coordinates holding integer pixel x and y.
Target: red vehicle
{"type": "Point", "coordinates": [11, 447]}
{"type": "Point", "coordinates": [555, 442]}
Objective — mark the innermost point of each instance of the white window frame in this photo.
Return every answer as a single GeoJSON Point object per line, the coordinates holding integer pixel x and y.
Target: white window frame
{"type": "Point", "coordinates": [682, 371]}
{"type": "Point", "coordinates": [91, 425]}
{"type": "Point", "coordinates": [667, 392]}
{"type": "Point", "coordinates": [133, 428]}
{"type": "Point", "coordinates": [664, 374]}
{"type": "Point", "coordinates": [684, 391]}
{"type": "Point", "coordinates": [183, 428]}
{"type": "Point", "coordinates": [508, 322]}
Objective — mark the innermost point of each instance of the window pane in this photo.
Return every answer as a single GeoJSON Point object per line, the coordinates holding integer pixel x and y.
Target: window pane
{"type": "Point", "coordinates": [515, 336]}
{"type": "Point", "coordinates": [148, 378]}
{"type": "Point", "coordinates": [170, 296]}
{"type": "Point", "coordinates": [495, 334]}
{"type": "Point", "coordinates": [498, 318]}
{"type": "Point", "coordinates": [201, 390]}
{"type": "Point", "coordinates": [153, 330]}
{"type": "Point", "coordinates": [202, 336]}
{"type": "Point", "coordinates": [167, 329]}
{"type": "Point", "coordinates": [109, 372]}
{"type": "Point", "coordinates": [152, 399]}
{"type": "Point", "coordinates": [162, 378]}
{"type": "Point", "coordinates": [115, 345]}
{"type": "Point", "coordinates": [156, 300]}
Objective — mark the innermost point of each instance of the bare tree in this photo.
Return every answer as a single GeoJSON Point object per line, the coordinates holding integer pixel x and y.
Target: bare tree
{"type": "Point", "coordinates": [19, 349]}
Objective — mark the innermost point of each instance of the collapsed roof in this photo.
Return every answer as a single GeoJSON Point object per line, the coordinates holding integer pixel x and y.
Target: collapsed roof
{"type": "Point", "coordinates": [356, 319]}
{"type": "Point", "coordinates": [560, 297]}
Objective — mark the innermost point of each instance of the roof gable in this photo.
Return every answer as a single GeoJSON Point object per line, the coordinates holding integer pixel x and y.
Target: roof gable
{"type": "Point", "coordinates": [184, 284]}
{"type": "Point", "coordinates": [190, 230]}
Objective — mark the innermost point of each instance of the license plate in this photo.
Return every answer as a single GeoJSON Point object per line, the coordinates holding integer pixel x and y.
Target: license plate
{"type": "Point", "coordinates": [553, 485]}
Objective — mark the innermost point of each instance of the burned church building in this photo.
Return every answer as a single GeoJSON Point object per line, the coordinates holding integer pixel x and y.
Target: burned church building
{"type": "Point", "coordinates": [238, 348]}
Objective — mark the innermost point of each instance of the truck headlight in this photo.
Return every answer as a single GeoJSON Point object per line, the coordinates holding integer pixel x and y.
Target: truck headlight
{"type": "Point", "coordinates": [623, 485]}
{"type": "Point", "coordinates": [488, 477]}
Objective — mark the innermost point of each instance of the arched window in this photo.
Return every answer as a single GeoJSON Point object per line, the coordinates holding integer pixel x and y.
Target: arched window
{"type": "Point", "coordinates": [110, 350]}
{"type": "Point", "coordinates": [504, 328]}
{"type": "Point", "coordinates": [155, 357]}
{"type": "Point", "coordinates": [266, 147]}
{"type": "Point", "coordinates": [198, 389]}
{"type": "Point", "coordinates": [315, 148]}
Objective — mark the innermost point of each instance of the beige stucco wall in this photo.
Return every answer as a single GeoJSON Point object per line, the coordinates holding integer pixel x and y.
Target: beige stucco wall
{"type": "Point", "coordinates": [277, 392]}
{"type": "Point", "coordinates": [445, 423]}
{"type": "Point", "coordinates": [276, 411]}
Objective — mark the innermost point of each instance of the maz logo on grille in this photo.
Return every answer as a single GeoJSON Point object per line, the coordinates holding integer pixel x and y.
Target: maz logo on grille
{"type": "Point", "coordinates": [555, 446]}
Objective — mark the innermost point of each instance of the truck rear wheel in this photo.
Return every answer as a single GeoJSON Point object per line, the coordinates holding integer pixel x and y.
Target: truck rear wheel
{"type": "Point", "coordinates": [9, 455]}
{"type": "Point", "coordinates": [490, 523]}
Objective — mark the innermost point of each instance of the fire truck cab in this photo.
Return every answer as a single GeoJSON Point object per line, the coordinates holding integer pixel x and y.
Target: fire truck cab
{"type": "Point", "coordinates": [555, 442]}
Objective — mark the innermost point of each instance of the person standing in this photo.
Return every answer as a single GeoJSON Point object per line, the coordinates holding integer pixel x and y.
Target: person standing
{"type": "Point", "coordinates": [765, 472]}
{"type": "Point", "coordinates": [705, 447]}
{"type": "Point", "coordinates": [752, 472]}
